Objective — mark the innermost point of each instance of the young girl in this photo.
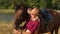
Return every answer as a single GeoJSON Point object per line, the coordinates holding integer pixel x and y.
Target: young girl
{"type": "Point", "coordinates": [33, 23]}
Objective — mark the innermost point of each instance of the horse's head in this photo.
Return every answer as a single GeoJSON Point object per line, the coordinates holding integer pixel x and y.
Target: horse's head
{"type": "Point", "coordinates": [18, 7]}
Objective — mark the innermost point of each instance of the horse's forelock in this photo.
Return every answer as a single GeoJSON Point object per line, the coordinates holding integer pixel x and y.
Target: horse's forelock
{"type": "Point", "coordinates": [17, 8]}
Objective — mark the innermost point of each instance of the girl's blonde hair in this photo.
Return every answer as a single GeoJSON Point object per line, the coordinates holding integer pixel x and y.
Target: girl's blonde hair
{"type": "Point", "coordinates": [35, 11]}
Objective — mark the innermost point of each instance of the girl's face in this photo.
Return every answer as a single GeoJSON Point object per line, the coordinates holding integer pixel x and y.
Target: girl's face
{"type": "Point", "coordinates": [33, 16]}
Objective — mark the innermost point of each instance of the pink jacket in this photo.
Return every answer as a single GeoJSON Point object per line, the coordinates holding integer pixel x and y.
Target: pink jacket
{"type": "Point", "coordinates": [32, 25]}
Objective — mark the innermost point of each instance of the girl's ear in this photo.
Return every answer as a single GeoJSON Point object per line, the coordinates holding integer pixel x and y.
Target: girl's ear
{"type": "Point", "coordinates": [29, 11]}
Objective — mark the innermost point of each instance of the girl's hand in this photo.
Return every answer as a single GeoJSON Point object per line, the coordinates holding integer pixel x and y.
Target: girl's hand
{"type": "Point", "coordinates": [16, 31]}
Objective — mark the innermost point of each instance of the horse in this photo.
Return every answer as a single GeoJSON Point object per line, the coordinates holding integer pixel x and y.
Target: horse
{"type": "Point", "coordinates": [21, 15]}
{"type": "Point", "coordinates": [54, 24]}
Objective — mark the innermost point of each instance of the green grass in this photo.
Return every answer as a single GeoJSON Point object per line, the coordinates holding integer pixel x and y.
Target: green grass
{"type": "Point", "coordinates": [5, 11]}
{"type": "Point", "coordinates": [8, 11]}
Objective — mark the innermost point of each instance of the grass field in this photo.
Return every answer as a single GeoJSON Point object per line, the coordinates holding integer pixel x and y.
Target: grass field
{"type": "Point", "coordinates": [9, 11]}
{"type": "Point", "coordinates": [5, 11]}
{"type": "Point", "coordinates": [5, 28]}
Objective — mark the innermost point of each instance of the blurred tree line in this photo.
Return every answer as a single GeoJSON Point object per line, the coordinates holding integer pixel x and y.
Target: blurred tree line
{"type": "Point", "coordinates": [9, 4]}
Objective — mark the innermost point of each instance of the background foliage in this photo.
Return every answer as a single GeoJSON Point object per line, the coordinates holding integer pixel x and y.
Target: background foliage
{"type": "Point", "coordinates": [9, 4]}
